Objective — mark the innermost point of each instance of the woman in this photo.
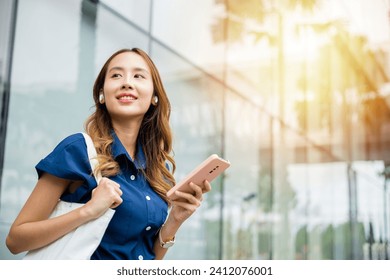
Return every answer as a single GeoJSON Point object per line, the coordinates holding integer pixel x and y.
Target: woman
{"type": "Point", "coordinates": [131, 133]}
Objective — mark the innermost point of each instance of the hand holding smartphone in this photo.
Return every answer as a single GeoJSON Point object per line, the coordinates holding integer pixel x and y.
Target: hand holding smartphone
{"type": "Point", "coordinates": [208, 170]}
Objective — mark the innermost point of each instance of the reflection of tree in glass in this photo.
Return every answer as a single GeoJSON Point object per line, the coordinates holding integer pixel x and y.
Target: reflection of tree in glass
{"type": "Point", "coordinates": [240, 18]}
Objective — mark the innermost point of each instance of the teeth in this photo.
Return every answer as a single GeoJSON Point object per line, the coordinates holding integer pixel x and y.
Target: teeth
{"type": "Point", "coordinates": [127, 98]}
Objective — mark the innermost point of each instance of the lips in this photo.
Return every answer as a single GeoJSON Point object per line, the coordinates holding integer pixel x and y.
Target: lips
{"type": "Point", "coordinates": [126, 97]}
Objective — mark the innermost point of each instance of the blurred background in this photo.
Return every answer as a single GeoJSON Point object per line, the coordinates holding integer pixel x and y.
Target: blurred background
{"type": "Point", "coordinates": [294, 93]}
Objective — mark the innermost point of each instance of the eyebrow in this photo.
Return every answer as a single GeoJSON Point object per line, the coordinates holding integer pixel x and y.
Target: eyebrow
{"type": "Point", "coordinates": [136, 69]}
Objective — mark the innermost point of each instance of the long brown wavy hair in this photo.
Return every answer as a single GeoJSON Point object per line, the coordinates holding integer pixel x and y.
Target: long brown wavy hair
{"type": "Point", "coordinates": [154, 135]}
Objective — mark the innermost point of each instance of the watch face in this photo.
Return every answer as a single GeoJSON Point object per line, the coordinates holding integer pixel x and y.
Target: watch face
{"type": "Point", "coordinates": [168, 244]}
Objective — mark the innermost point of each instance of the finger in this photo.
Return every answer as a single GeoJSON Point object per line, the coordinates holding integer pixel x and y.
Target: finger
{"type": "Point", "coordinates": [196, 189]}
{"type": "Point", "coordinates": [117, 193]}
{"type": "Point", "coordinates": [109, 182]}
{"type": "Point", "coordinates": [104, 180]}
{"type": "Point", "coordinates": [189, 197]}
{"type": "Point", "coordinates": [187, 206]}
{"type": "Point", "coordinates": [118, 201]}
{"type": "Point", "coordinates": [112, 185]}
{"type": "Point", "coordinates": [117, 189]}
{"type": "Point", "coordinates": [207, 186]}
{"type": "Point", "coordinates": [116, 184]}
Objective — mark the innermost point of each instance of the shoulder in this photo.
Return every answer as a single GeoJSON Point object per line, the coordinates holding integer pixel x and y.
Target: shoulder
{"type": "Point", "coordinates": [72, 147]}
{"type": "Point", "coordinates": [76, 139]}
{"type": "Point", "coordinates": [69, 159]}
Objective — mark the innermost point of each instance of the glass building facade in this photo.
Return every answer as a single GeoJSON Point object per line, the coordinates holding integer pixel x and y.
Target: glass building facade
{"type": "Point", "coordinates": [295, 94]}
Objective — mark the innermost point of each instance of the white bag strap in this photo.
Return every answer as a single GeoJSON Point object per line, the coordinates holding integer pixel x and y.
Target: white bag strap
{"type": "Point", "coordinates": [92, 155]}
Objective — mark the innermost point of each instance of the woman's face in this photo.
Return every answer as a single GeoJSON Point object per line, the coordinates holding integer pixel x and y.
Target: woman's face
{"type": "Point", "coordinates": [128, 87]}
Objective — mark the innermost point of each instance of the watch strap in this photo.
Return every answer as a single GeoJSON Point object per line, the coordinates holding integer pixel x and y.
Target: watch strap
{"type": "Point", "coordinates": [165, 244]}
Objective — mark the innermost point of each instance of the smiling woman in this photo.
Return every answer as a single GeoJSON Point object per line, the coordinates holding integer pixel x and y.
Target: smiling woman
{"type": "Point", "coordinates": [133, 140]}
{"type": "Point", "coordinates": [128, 88]}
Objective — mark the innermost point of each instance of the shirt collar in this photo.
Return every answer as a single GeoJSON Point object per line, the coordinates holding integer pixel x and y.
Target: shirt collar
{"type": "Point", "coordinates": [118, 149]}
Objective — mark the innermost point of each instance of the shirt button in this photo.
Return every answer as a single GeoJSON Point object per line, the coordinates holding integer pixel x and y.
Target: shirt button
{"type": "Point", "coordinates": [147, 197]}
{"type": "Point", "coordinates": [140, 257]}
{"type": "Point", "coordinates": [132, 177]}
{"type": "Point", "coordinates": [148, 228]}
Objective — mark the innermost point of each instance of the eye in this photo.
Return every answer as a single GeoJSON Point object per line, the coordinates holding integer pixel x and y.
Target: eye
{"type": "Point", "coordinates": [139, 76]}
{"type": "Point", "coordinates": [116, 75]}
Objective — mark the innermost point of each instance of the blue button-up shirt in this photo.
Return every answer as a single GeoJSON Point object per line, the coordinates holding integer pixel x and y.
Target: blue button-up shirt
{"type": "Point", "coordinates": [132, 230]}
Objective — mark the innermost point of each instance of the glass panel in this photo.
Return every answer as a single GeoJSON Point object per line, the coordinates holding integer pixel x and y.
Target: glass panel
{"type": "Point", "coordinates": [284, 196]}
{"type": "Point", "coordinates": [243, 191]}
{"type": "Point", "coordinates": [135, 11]}
{"type": "Point", "coordinates": [326, 210]}
{"type": "Point", "coordinates": [45, 102]}
{"type": "Point", "coordinates": [196, 121]}
{"type": "Point", "coordinates": [5, 31]}
{"type": "Point", "coordinates": [114, 33]}
{"type": "Point", "coordinates": [41, 73]}
{"type": "Point", "coordinates": [190, 39]}
{"type": "Point", "coordinates": [372, 219]}
{"type": "Point", "coordinates": [6, 27]}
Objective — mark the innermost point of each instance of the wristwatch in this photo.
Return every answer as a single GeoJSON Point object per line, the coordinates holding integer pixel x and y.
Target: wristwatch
{"type": "Point", "coordinates": [166, 244]}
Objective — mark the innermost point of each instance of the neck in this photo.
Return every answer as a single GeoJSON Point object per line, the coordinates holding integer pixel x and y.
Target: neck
{"type": "Point", "coordinates": [127, 134]}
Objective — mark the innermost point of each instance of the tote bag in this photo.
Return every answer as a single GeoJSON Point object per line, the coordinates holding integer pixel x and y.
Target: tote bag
{"type": "Point", "coordinates": [80, 243]}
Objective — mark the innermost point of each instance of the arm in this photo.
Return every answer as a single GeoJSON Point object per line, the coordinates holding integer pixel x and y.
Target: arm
{"type": "Point", "coordinates": [180, 212]}
{"type": "Point", "coordinates": [32, 229]}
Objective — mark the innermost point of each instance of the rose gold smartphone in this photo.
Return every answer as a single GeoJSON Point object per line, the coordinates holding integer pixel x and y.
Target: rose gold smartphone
{"type": "Point", "coordinates": [208, 170]}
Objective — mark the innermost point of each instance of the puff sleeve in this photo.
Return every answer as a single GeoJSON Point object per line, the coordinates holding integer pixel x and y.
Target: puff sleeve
{"type": "Point", "coordinates": [69, 160]}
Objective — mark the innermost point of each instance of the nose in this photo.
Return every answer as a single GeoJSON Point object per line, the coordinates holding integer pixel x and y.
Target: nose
{"type": "Point", "coordinates": [128, 84]}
